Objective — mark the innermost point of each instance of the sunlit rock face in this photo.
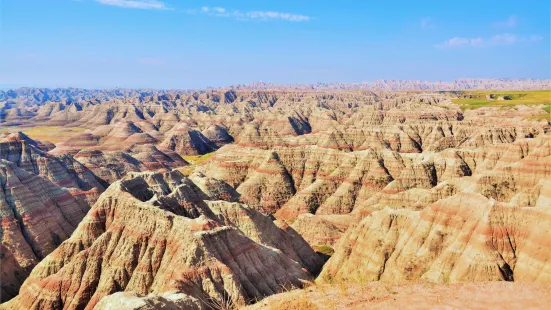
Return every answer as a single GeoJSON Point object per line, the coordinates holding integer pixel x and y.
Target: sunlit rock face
{"type": "Point", "coordinates": [159, 233]}
{"type": "Point", "coordinates": [403, 186]}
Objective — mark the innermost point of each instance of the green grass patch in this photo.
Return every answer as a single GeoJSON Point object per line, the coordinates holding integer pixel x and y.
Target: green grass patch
{"type": "Point", "coordinates": [53, 134]}
{"type": "Point", "coordinates": [198, 159]}
{"type": "Point", "coordinates": [194, 161]}
{"type": "Point", "coordinates": [477, 99]}
{"type": "Point", "coordinates": [324, 249]}
{"type": "Point", "coordinates": [541, 117]}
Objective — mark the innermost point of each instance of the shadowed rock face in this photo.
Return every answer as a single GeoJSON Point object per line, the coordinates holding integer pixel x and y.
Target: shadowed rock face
{"type": "Point", "coordinates": [43, 200]}
{"type": "Point", "coordinates": [159, 233]}
{"type": "Point", "coordinates": [64, 171]}
{"type": "Point", "coordinates": [36, 215]}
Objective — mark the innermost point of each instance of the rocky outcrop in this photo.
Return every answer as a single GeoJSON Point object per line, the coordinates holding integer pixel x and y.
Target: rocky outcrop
{"type": "Point", "coordinates": [319, 230]}
{"type": "Point", "coordinates": [403, 185]}
{"type": "Point", "coordinates": [110, 166]}
{"type": "Point", "coordinates": [64, 171]}
{"type": "Point", "coordinates": [37, 215]}
{"type": "Point", "coordinates": [132, 301]}
{"type": "Point", "coordinates": [465, 237]}
{"type": "Point", "coordinates": [155, 233]}
{"type": "Point", "coordinates": [187, 141]}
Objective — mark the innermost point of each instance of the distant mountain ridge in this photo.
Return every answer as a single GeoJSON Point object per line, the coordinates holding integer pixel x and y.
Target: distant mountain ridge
{"type": "Point", "coordinates": [411, 85]}
{"type": "Point", "coordinates": [77, 94]}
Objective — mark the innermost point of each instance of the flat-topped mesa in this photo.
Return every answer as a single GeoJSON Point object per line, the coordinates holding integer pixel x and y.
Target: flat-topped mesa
{"type": "Point", "coordinates": [158, 234]}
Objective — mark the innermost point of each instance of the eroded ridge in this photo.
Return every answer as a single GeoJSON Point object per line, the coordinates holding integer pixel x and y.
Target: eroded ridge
{"type": "Point", "coordinates": [159, 233]}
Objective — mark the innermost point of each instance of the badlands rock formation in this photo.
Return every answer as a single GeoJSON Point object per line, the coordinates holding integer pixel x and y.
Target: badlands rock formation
{"type": "Point", "coordinates": [43, 200]}
{"type": "Point", "coordinates": [404, 186]}
{"type": "Point", "coordinates": [37, 215]}
{"type": "Point", "coordinates": [160, 234]}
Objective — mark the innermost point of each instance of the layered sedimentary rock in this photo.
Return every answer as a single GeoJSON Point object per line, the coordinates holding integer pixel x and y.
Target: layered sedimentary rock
{"type": "Point", "coordinates": [466, 237]}
{"type": "Point", "coordinates": [320, 229]}
{"type": "Point", "coordinates": [403, 185]}
{"type": "Point", "coordinates": [187, 141]}
{"type": "Point", "coordinates": [321, 181]}
{"type": "Point", "coordinates": [110, 166]}
{"type": "Point", "coordinates": [36, 215]}
{"type": "Point", "coordinates": [132, 301]}
{"type": "Point", "coordinates": [159, 234]}
{"type": "Point", "coordinates": [64, 171]}
{"type": "Point", "coordinates": [44, 198]}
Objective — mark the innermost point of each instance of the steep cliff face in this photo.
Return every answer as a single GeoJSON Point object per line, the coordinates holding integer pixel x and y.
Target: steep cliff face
{"type": "Point", "coordinates": [43, 199]}
{"type": "Point", "coordinates": [156, 233]}
{"type": "Point", "coordinates": [64, 171]}
{"type": "Point", "coordinates": [37, 215]}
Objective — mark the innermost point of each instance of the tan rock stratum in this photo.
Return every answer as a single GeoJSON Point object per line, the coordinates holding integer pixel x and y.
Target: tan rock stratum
{"type": "Point", "coordinates": [158, 233]}
{"type": "Point", "coordinates": [218, 198]}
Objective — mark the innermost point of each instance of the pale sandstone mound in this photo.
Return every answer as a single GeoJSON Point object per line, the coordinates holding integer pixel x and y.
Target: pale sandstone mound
{"type": "Point", "coordinates": [187, 141]}
{"type": "Point", "coordinates": [64, 171]}
{"type": "Point", "coordinates": [217, 135]}
{"type": "Point", "coordinates": [465, 237]}
{"type": "Point", "coordinates": [110, 166]}
{"type": "Point", "coordinates": [36, 215]}
{"type": "Point", "coordinates": [132, 301]}
{"type": "Point", "coordinates": [156, 233]}
{"type": "Point", "coordinates": [268, 186]}
{"type": "Point", "coordinates": [216, 189]}
{"type": "Point", "coordinates": [319, 230]}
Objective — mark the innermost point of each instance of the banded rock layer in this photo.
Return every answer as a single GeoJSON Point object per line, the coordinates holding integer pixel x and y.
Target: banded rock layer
{"type": "Point", "coordinates": [44, 198]}
{"type": "Point", "coordinates": [159, 233]}
{"type": "Point", "coordinates": [36, 216]}
{"type": "Point", "coordinates": [466, 237]}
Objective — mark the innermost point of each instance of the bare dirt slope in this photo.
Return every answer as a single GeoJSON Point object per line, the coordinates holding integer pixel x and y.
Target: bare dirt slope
{"type": "Point", "coordinates": [379, 295]}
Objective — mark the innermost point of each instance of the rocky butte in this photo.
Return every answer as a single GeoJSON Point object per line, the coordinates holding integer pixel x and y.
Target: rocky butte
{"type": "Point", "coordinates": [324, 196]}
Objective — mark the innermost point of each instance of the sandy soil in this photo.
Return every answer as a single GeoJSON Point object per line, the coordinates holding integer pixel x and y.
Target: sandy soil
{"type": "Point", "coordinates": [377, 295]}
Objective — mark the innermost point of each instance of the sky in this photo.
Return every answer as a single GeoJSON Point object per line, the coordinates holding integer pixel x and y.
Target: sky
{"type": "Point", "coordinates": [194, 44]}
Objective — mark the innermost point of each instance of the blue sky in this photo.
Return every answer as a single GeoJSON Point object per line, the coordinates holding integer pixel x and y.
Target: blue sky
{"type": "Point", "coordinates": [191, 44]}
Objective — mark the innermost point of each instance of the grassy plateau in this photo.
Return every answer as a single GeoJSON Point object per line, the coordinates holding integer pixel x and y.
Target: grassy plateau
{"type": "Point", "coordinates": [477, 99]}
{"type": "Point", "coordinates": [52, 134]}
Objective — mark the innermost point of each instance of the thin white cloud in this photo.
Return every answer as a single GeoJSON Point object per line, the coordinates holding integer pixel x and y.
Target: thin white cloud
{"type": "Point", "coordinates": [278, 15]}
{"type": "Point", "coordinates": [510, 22]}
{"type": "Point", "coordinates": [136, 4]}
{"type": "Point", "coordinates": [426, 22]}
{"type": "Point", "coordinates": [260, 15]}
{"type": "Point", "coordinates": [496, 40]}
